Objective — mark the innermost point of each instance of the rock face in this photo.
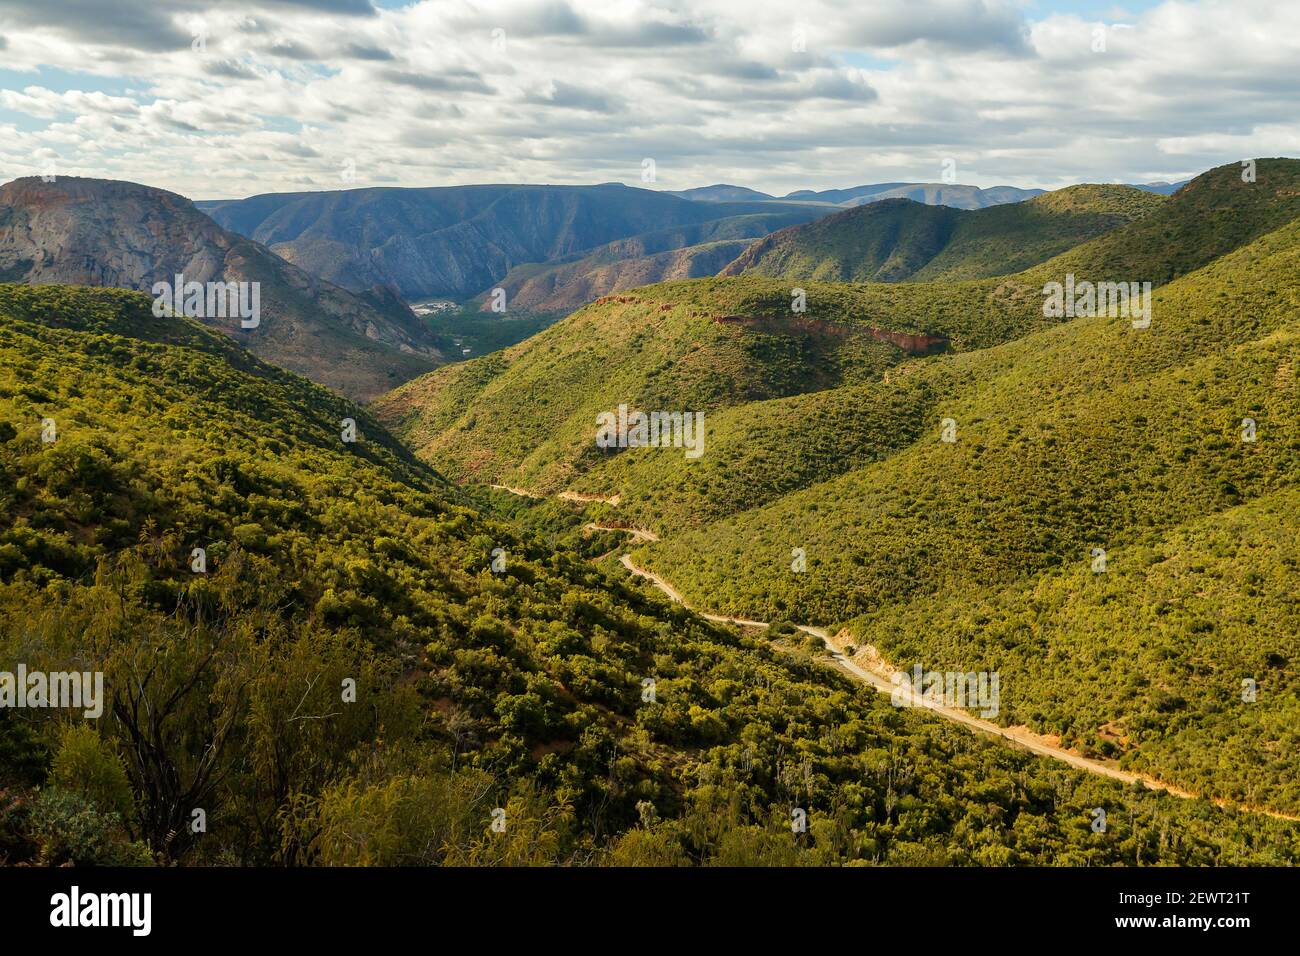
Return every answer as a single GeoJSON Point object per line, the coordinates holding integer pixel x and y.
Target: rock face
{"type": "Point", "coordinates": [109, 233]}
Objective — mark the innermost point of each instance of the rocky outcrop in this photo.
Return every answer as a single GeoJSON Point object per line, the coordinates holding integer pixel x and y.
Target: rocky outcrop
{"type": "Point", "coordinates": [110, 233]}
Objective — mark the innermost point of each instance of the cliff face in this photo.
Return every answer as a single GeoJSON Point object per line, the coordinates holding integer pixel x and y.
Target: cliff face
{"type": "Point", "coordinates": [107, 233]}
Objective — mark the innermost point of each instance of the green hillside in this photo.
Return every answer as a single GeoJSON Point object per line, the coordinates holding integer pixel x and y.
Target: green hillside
{"type": "Point", "coordinates": [520, 689]}
{"type": "Point", "coordinates": [1091, 435]}
{"type": "Point", "coordinates": [1071, 436]}
{"type": "Point", "coordinates": [897, 239]}
{"type": "Point", "coordinates": [526, 416]}
{"type": "Point", "coordinates": [673, 346]}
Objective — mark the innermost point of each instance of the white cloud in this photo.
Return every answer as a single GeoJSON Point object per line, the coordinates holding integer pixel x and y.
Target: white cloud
{"type": "Point", "coordinates": [232, 98]}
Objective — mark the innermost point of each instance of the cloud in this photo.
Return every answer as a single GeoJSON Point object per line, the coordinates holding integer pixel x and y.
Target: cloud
{"type": "Point", "coordinates": [954, 25]}
{"type": "Point", "coordinates": [568, 96]}
{"type": "Point", "coordinates": [362, 8]}
{"type": "Point", "coordinates": [463, 81]}
{"type": "Point", "coordinates": [764, 93]}
{"type": "Point", "coordinates": [146, 25]}
{"type": "Point", "coordinates": [360, 51]}
{"type": "Point", "coordinates": [230, 69]}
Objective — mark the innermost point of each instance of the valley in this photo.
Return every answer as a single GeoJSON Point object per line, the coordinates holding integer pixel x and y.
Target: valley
{"type": "Point", "coordinates": [887, 401]}
{"type": "Point", "coordinates": [1070, 436]}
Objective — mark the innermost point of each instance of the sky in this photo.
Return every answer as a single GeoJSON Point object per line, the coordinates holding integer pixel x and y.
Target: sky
{"type": "Point", "coordinates": [230, 98]}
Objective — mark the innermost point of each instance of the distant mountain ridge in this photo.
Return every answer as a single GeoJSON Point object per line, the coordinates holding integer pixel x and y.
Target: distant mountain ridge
{"type": "Point", "coordinates": [453, 241]}
{"type": "Point", "coordinates": [119, 234]}
{"type": "Point", "coordinates": [721, 192]}
{"type": "Point", "coordinates": [936, 194]}
{"type": "Point", "coordinates": [684, 252]}
{"type": "Point", "coordinates": [1163, 188]}
{"type": "Point", "coordinates": [551, 248]}
{"type": "Point", "coordinates": [931, 194]}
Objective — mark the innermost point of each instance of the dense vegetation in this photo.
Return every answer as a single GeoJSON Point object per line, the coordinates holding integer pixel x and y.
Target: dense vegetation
{"type": "Point", "coordinates": [526, 416]}
{"type": "Point", "coordinates": [518, 688]}
{"type": "Point", "coordinates": [484, 332]}
{"type": "Point", "coordinates": [1093, 435]}
{"type": "Point", "coordinates": [977, 554]}
{"type": "Point", "coordinates": [898, 239]}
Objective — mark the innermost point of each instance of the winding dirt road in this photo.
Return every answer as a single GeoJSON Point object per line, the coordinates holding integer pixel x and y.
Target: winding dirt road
{"type": "Point", "coordinates": [880, 677]}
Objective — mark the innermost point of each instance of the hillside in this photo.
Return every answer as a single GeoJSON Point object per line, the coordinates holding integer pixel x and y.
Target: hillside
{"type": "Point", "coordinates": [109, 233]}
{"type": "Point", "coordinates": [454, 241]}
{"type": "Point", "coordinates": [522, 688]}
{"type": "Point", "coordinates": [978, 554]}
{"type": "Point", "coordinates": [684, 252]}
{"type": "Point", "coordinates": [525, 416]}
{"type": "Point", "coordinates": [1070, 436]}
{"type": "Point", "coordinates": [897, 240]}
{"type": "Point", "coordinates": [570, 286]}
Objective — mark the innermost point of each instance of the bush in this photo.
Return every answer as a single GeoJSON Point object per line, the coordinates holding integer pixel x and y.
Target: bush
{"type": "Point", "coordinates": [68, 828]}
{"type": "Point", "coordinates": [84, 765]}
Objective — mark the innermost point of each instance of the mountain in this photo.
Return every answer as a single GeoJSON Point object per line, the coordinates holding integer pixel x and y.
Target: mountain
{"type": "Point", "coordinates": [931, 194]}
{"type": "Point", "coordinates": [1163, 188]}
{"type": "Point", "coordinates": [366, 670]}
{"type": "Point", "coordinates": [523, 416]}
{"type": "Point", "coordinates": [896, 239]}
{"type": "Point", "coordinates": [454, 241]}
{"type": "Point", "coordinates": [571, 285]}
{"type": "Point", "coordinates": [974, 555]}
{"type": "Point", "coordinates": [108, 233]}
{"type": "Point", "coordinates": [684, 252]}
{"type": "Point", "coordinates": [721, 193]}
{"type": "Point", "coordinates": [526, 412]}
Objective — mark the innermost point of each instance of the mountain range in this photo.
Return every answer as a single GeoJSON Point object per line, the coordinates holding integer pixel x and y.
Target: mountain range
{"type": "Point", "coordinates": [943, 194]}
{"type": "Point", "coordinates": [455, 241]}
{"type": "Point", "coordinates": [550, 248]}
{"type": "Point", "coordinates": [358, 633]}
{"type": "Point", "coordinates": [893, 240]}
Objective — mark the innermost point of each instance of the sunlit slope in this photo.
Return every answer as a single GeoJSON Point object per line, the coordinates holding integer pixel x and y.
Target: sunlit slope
{"type": "Point", "coordinates": [329, 559]}
{"type": "Point", "coordinates": [527, 416]}
{"type": "Point", "coordinates": [1093, 435]}
{"type": "Point", "coordinates": [1181, 658]}
{"type": "Point", "coordinates": [899, 240]}
{"type": "Point", "coordinates": [1055, 431]}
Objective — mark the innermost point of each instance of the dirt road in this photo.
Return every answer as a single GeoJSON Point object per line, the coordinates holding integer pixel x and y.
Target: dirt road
{"type": "Point", "coordinates": [880, 677]}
